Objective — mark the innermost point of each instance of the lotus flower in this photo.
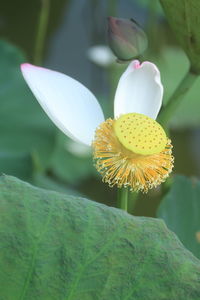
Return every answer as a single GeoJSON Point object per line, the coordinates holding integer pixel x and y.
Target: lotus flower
{"type": "Point", "coordinates": [131, 150]}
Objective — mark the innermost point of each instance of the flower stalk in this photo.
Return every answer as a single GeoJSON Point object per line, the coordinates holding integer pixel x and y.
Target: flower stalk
{"type": "Point", "coordinates": [123, 199]}
{"type": "Point", "coordinates": [168, 111]}
{"type": "Point", "coordinates": [41, 31]}
{"type": "Point", "coordinates": [133, 197]}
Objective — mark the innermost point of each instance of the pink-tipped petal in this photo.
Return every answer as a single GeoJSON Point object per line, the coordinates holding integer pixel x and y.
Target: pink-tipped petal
{"type": "Point", "coordinates": [139, 90]}
{"type": "Point", "coordinates": [68, 103]}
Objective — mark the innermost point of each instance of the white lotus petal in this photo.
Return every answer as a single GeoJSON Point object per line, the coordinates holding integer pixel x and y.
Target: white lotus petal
{"type": "Point", "coordinates": [101, 55]}
{"type": "Point", "coordinates": [78, 149]}
{"type": "Point", "coordinates": [69, 104]}
{"type": "Point", "coordinates": [139, 90]}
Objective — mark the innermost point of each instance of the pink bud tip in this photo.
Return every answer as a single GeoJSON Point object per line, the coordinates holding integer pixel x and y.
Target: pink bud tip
{"type": "Point", "coordinates": [24, 66]}
{"type": "Point", "coordinates": [136, 64]}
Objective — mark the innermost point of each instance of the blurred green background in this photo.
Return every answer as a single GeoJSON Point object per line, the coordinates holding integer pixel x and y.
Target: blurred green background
{"type": "Point", "coordinates": [31, 148]}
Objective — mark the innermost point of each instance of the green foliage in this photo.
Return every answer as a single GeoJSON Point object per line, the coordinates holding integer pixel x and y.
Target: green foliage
{"type": "Point", "coordinates": [68, 166]}
{"type": "Point", "coordinates": [55, 246]}
{"type": "Point", "coordinates": [180, 209]}
{"type": "Point", "coordinates": [173, 65]}
{"type": "Point", "coordinates": [16, 164]}
{"type": "Point", "coordinates": [24, 127]}
{"type": "Point", "coordinates": [153, 4]}
{"type": "Point", "coordinates": [183, 16]}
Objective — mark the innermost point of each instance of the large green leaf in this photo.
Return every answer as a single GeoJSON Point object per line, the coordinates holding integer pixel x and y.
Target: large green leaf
{"type": "Point", "coordinates": [55, 246]}
{"type": "Point", "coordinates": [49, 183]}
{"type": "Point", "coordinates": [184, 18]}
{"type": "Point", "coordinates": [24, 127]}
{"type": "Point", "coordinates": [180, 209]}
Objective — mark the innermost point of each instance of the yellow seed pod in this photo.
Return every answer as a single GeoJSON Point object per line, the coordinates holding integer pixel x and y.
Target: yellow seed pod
{"type": "Point", "coordinates": [140, 134]}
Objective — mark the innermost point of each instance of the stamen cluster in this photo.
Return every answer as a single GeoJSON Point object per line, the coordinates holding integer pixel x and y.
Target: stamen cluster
{"type": "Point", "coordinates": [123, 167]}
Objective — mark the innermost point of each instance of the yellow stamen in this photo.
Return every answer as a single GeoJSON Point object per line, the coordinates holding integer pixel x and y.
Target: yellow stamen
{"type": "Point", "coordinates": [125, 168]}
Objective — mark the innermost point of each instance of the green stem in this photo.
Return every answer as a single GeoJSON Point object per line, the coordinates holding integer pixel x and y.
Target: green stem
{"type": "Point", "coordinates": [151, 25]}
{"type": "Point", "coordinates": [123, 198]}
{"type": "Point", "coordinates": [112, 8]}
{"type": "Point", "coordinates": [133, 196]}
{"type": "Point", "coordinates": [41, 31]}
{"type": "Point", "coordinates": [37, 167]}
{"type": "Point", "coordinates": [176, 98]}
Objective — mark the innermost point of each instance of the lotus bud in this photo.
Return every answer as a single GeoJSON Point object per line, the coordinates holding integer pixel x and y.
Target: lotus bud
{"type": "Point", "coordinates": [126, 39]}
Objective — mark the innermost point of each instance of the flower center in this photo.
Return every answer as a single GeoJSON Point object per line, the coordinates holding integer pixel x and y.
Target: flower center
{"type": "Point", "coordinates": [140, 134]}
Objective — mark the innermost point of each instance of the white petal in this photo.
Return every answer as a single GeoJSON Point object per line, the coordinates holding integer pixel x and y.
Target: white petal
{"type": "Point", "coordinates": [78, 149]}
{"type": "Point", "coordinates": [139, 90]}
{"type": "Point", "coordinates": [69, 104]}
{"type": "Point", "coordinates": [101, 55]}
